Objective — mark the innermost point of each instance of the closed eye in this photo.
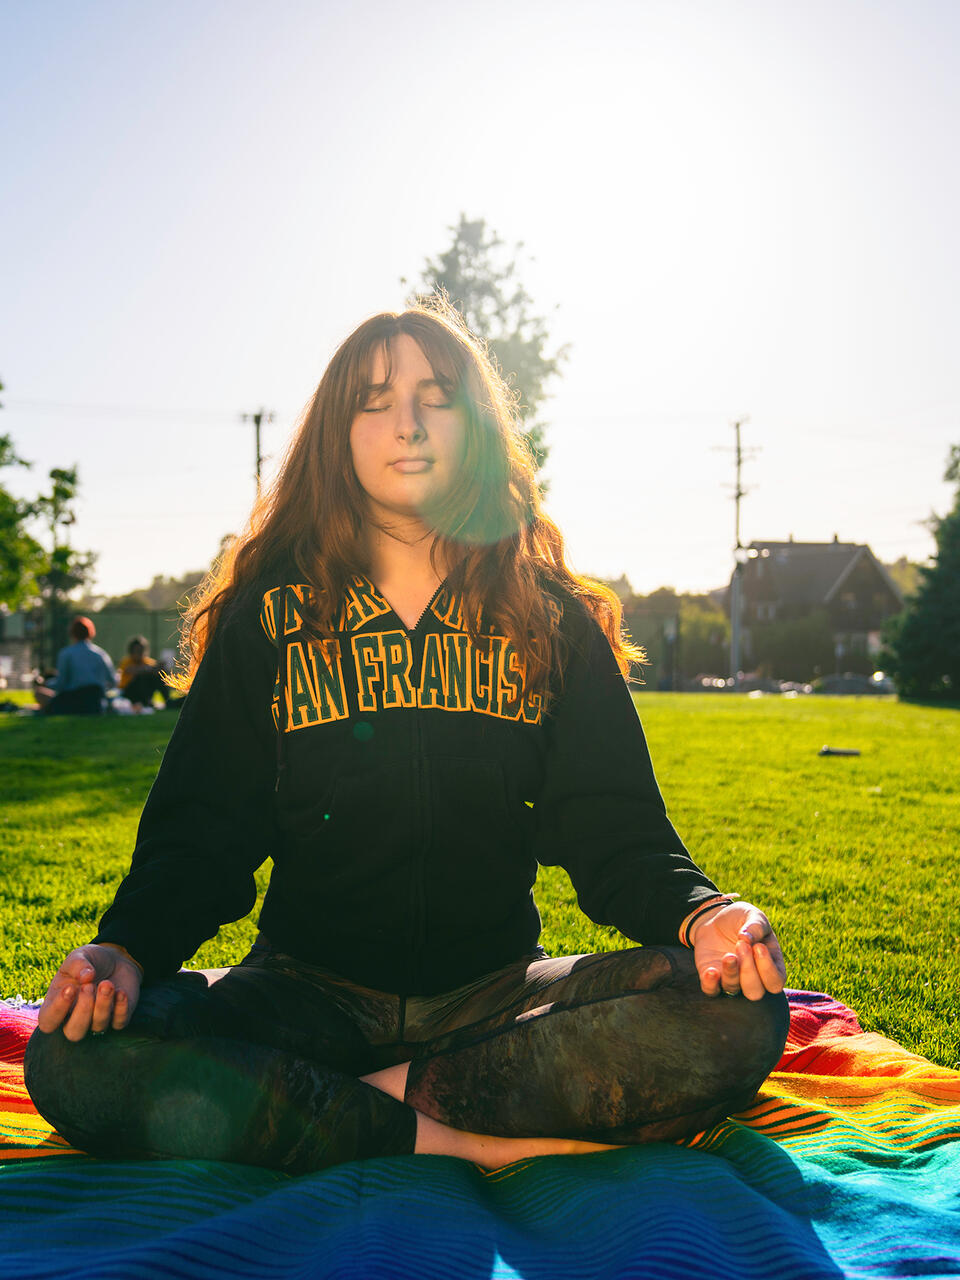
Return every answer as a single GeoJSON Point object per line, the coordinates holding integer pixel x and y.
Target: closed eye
{"type": "Point", "coordinates": [382, 408]}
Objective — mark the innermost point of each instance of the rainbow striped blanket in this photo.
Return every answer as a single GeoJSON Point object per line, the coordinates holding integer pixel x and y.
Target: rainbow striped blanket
{"type": "Point", "coordinates": [848, 1164]}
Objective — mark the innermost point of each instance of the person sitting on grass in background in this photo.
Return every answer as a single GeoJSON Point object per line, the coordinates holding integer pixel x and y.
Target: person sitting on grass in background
{"type": "Point", "coordinates": [401, 693]}
{"type": "Point", "coordinates": [142, 676]}
{"type": "Point", "coordinates": [84, 674]}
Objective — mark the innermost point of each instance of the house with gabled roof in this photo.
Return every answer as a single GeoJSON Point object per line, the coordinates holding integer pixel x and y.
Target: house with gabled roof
{"type": "Point", "coordinates": [788, 581]}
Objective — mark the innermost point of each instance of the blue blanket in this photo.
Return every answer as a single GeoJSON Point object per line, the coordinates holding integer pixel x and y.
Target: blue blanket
{"type": "Point", "coordinates": [848, 1164]}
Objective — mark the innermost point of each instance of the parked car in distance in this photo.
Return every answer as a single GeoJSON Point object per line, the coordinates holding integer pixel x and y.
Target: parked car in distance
{"type": "Point", "coordinates": [849, 683]}
{"type": "Point", "coordinates": [749, 683]}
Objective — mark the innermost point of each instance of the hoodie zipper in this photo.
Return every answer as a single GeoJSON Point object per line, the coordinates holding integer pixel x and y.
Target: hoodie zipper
{"type": "Point", "coordinates": [425, 825]}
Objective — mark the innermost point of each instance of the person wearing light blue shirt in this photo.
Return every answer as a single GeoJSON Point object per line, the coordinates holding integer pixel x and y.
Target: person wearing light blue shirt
{"type": "Point", "coordinates": [84, 673]}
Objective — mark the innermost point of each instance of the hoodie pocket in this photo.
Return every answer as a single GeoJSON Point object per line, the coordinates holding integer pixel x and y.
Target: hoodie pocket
{"type": "Point", "coordinates": [481, 858]}
{"type": "Point", "coordinates": [357, 846]}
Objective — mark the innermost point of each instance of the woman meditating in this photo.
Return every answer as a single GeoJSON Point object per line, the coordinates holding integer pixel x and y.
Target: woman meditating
{"type": "Point", "coordinates": [400, 693]}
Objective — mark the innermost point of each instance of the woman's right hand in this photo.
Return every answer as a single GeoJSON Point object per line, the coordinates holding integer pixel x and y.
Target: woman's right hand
{"type": "Point", "coordinates": [96, 987]}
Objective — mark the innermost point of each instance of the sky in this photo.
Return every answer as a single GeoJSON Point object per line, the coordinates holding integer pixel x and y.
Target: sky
{"type": "Point", "coordinates": [728, 210]}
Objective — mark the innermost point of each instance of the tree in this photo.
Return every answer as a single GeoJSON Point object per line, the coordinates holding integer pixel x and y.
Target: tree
{"type": "Point", "coordinates": [131, 601]}
{"type": "Point", "coordinates": [797, 649]}
{"type": "Point", "coordinates": [163, 594]}
{"type": "Point", "coordinates": [923, 642]}
{"type": "Point", "coordinates": [704, 637]}
{"type": "Point", "coordinates": [906, 574]}
{"type": "Point", "coordinates": [64, 569]}
{"type": "Point", "coordinates": [21, 556]}
{"type": "Point", "coordinates": [480, 279]}
{"type": "Point", "coordinates": [27, 571]}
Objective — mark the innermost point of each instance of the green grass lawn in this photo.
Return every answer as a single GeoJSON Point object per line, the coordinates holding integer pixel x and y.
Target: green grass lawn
{"type": "Point", "coordinates": [854, 858]}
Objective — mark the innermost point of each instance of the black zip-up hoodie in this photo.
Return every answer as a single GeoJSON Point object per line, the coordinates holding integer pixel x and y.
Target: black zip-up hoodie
{"type": "Point", "coordinates": [406, 801]}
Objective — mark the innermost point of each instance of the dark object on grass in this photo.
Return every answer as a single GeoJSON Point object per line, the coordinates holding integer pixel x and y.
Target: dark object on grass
{"type": "Point", "coordinates": [85, 701]}
{"type": "Point", "coordinates": [851, 683]}
{"type": "Point", "coordinates": [837, 751]}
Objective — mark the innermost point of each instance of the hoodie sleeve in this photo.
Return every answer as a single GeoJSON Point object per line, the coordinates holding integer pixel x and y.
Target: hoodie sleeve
{"type": "Point", "coordinates": [601, 815]}
{"type": "Point", "coordinates": [208, 822]}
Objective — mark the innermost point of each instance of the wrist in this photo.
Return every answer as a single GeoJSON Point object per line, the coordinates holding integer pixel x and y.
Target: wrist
{"type": "Point", "coordinates": [703, 912]}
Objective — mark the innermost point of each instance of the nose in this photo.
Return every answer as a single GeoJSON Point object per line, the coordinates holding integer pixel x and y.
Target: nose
{"type": "Point", "coordinates": [409, 428]}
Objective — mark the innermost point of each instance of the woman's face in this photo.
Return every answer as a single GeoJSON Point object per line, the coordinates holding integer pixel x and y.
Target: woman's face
{"type": "Point", "coordinates": [408, 440]}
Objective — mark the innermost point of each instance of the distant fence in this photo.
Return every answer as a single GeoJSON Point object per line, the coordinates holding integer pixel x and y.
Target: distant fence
{"type": "Point", "coordinates": [27, 644]}
{"type": "Point", "coordinates": [658, 634]}
{"type": "Point", "coordinates": [21, 648]}
{"type": "Point", "coordinates": [117, 627]}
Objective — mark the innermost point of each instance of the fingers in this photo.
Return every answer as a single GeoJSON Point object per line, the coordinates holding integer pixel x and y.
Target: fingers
{"type": "Point", "coordinates": [62, 992]}
{"type": "Point", "coordinates": [103, 1004]}
{"type": "Point", "coordinates": [84, 995]}
{"type": "Point", "coordinates": [730, 974]}
{"type": "Point", "coordinates": [121, 1011]}
{"type": "Point", "coordinates": [77, 966]}
{"type": "Point", "coordinates": [739, 955]}
{"type": "Point", "coordinates": [770, 966]}
{"type": "Point", "coordinates": [751, 970]}
{"type": "Point", "coordinates": [751, 983]}
{"type": "Point", "coordinates": [97, 1008]}
{"type": "Point", "coordinates": [756, 927]}
{"type": "Point", "coordinates": [710, 981]}
{"type": "Point", "coordinates": [56, 1005]}
{"type": "Point", "coordinates": [85, 1007]}
{"type": "Point", "coordinates": [736, 975]}
{"type": "Point", "coordinates": [78, 1023]}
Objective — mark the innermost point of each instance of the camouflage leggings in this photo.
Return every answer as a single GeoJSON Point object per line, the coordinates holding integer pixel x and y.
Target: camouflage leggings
{"type": "Point", "coordinates": [261, 1065]}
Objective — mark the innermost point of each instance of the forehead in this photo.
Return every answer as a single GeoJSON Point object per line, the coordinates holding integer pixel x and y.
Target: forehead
{"type": "Point", "coordinates": [402, 357]}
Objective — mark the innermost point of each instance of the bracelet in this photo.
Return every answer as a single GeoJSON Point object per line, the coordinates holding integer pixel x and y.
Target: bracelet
{"type": "Point", "coordinates": [724, 900]}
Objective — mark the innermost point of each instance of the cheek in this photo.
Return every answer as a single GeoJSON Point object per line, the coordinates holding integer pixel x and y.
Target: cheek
{"type": "Point", "coordinates": [360, 448]}
{"type": "Point", "coordinates": [458, 444]}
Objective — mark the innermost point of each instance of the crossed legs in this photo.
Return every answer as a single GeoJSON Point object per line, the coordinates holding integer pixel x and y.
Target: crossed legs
{"type": "Point", "coordinates": [297, 1069]}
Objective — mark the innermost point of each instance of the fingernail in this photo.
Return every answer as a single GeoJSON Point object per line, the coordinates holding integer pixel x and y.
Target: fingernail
{"type": "Point", "coordinates": [85, 974]}
{"type": "Point", "coordinates": [67, 993]}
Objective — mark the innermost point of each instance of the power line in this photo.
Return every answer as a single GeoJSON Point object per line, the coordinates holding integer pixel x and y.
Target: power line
{"type": "Point", "coordinates": [127, 411]}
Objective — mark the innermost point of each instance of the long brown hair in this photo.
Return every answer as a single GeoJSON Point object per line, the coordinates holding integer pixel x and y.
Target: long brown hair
{"type": "Point", "coordinates": [490, 527]}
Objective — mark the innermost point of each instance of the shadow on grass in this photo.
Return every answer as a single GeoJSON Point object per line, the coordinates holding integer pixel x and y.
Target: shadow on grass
{"type": "Point", "coordinates": [44, 760]}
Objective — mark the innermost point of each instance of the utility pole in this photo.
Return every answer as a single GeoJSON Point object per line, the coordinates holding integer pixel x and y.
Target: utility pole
{"type": "Point", "coordinates": [739, 492]}
{"type": "Point", "coordinates": [741, 555]}
{"type": "Point", "coordinates": [257, 419]}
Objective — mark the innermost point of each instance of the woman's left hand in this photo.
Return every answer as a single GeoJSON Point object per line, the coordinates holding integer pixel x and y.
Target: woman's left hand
{"type": "Point", "coordinates": [736, 952]}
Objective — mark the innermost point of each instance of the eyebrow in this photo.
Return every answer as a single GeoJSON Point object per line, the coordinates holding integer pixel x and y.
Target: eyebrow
{"type": "Point", "coordinates": [378, 388]}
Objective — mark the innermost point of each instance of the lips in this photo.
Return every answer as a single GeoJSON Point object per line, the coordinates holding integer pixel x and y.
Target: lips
{"type": "Point", "coordinates": [410, 466]}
